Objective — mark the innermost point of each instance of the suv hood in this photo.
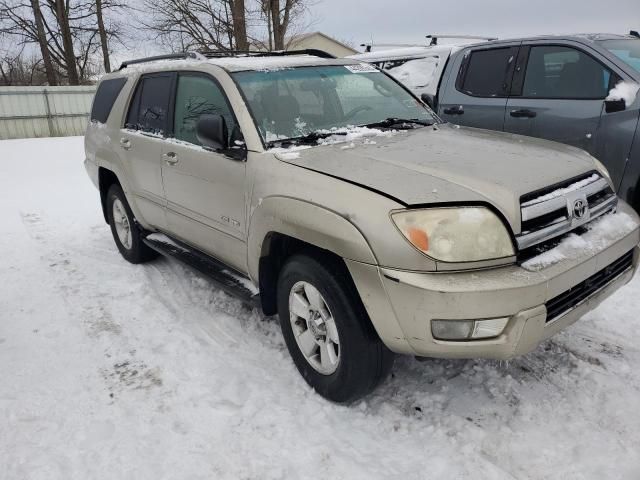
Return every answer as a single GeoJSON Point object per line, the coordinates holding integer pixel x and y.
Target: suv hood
{"type": "Point", "coordinates": [449, 164]}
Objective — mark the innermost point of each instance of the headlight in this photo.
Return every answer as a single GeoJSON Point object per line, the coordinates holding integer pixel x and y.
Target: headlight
{"type": "Point", "coordinates": [455, 234]}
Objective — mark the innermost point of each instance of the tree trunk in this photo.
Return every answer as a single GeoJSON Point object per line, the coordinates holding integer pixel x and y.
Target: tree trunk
{"type": "Point", "coordinates": [239, 24]}
{"type": "Point", "coordinates": [42, 41]}
{"type": "Point", "coordinates": [278, 35]}
{"type": "Point", "coordinates": [62, 16]}
{"type": "Point", "coordinates": [103, 37]}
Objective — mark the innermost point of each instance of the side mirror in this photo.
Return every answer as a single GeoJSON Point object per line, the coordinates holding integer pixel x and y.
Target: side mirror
{"type": "Point", "coordinates": [211, 132]}
{"type": "Point", "coordinates": [429, 100]}
{"type": "Point", "coordinates": [612, 106]}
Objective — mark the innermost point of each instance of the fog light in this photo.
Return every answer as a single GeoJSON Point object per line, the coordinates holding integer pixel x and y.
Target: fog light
{"type": "Point", "coordinates": [467, 329]}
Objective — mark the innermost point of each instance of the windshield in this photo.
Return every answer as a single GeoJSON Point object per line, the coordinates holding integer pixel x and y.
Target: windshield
{"type": "Point", "coordinates": [626, 50]}
{"type": "Point", "coordinates": [306, 101]}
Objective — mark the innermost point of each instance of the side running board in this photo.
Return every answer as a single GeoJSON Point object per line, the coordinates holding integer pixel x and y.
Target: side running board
{"type": "Point", "coordinates": [225, 277]}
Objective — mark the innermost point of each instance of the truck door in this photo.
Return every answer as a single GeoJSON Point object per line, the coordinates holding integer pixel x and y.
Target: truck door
{"type": "Point", "coordinates": [477, 87]}
{"type": "Point", "coordinates": [558, 94]}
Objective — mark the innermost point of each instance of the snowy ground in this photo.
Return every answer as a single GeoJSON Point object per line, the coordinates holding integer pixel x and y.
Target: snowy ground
{"type": "Point", "coordinates": [115, 371]}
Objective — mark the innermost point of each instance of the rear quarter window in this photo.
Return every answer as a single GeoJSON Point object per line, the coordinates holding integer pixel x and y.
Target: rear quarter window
{"type": "Point", "coordinates": [486, 73]}
{"type": "Point", "coordinates": [106, 95]}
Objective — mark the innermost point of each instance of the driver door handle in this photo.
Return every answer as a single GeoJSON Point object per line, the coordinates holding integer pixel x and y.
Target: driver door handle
{"type": "Point", "coordinates": [459, 110]}
{"type": "Point", "coordinates": [523, 113]}
{"type": "Point", "coordinates": [170, 158]}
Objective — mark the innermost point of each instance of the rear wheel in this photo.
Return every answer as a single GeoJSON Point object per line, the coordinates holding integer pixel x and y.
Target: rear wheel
{"type": "Point", "coordinates": [125, 231]}
{"type": "Point", "coordinates": [327, 331]}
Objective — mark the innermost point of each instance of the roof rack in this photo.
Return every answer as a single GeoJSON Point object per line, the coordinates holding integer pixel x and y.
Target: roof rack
{"type": "Point", "coordinates": [434, 38]}
{"type": "Point", "coordinates": [204, 54]}
{"type": "Point", "coordinates": [169, 56]}
{"type": "Point", "coordinates": [258, 53]}
{"type": "Point", "coordinates": [369, 46]}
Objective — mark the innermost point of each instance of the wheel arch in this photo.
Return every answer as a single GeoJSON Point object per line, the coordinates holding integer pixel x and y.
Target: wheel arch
{"type": "Point", "coordinates": [282, 226]}
{"type": "Point", "coordinates": [106, 178]}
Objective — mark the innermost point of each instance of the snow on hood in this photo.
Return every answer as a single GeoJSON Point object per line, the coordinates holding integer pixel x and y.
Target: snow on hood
{"type": "Point", "coordinates": [451, 164]}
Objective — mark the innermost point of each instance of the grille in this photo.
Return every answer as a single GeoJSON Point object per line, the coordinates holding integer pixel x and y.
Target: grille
{"type": "Point", "coordinates": [567, 301]}
{"type": "Point", "coordinates": [555, 210]}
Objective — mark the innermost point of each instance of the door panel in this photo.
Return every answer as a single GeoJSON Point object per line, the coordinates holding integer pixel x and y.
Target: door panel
{"type": "Point", "coordinates": [141, 142]}
{"type": "Point", "coordinates": [143, 155]}
{"type": "Point", "coordinates": [574, 122]}
{"type": "Point", "coordinates": [558, 94]}
{"type": "Point", "coordinates": [477, 96]}
{"type": "Point", "coordinates": [205, 190]}
{"type": "Point", "coordinates": [614, 141]}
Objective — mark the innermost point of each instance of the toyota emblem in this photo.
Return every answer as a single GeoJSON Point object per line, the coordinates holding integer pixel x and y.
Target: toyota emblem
{"type": "Point", "coordinates": [580, 207]}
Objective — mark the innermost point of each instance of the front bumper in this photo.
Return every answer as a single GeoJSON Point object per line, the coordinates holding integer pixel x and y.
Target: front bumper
{"type": "Point", "coordinates": [402, 304]}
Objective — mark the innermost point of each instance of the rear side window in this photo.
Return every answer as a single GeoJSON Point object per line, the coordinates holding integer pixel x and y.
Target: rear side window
{"type": "Point", "coordinates": [149, 109]}
{"type": "Point", "coordinates": [564, 72]}
{"type": "Point", "coordinates": [486, 73]}
{"type": "Point", "coordinates": [106, 95]}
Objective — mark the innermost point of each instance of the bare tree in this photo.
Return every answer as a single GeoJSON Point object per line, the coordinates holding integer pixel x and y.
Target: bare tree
{"type": "Point", "coordinates": [279, 16]}
{"type": "Point", "coordinates": [104, 42]}
{"type": "Point", "coordinates": [61, 10]}
{"type": "Point", "coordinates": [70, 34]}
{"type": "Point", "coordinates": [42, 42]}
{"type": "Point", "coordinates": [239, 20]}
{"type": "Point", "coordinates": [16, 68]}
{"type": "Point", "coordinates": [202, 24]}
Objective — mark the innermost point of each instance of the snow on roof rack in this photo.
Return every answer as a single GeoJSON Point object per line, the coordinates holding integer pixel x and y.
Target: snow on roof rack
{"type": "Point", "coordinates": [204, 54]}
{"type": "Point", "coordinates": [435, 37]}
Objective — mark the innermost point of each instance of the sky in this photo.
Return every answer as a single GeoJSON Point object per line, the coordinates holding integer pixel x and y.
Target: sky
{"type": "Point", "coordinates": [408, 21]}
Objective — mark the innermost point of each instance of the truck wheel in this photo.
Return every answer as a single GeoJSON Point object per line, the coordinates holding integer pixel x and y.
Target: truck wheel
{"type": "Point", "coordinates": [327, 331]}
{"type": "Point", "coordinates": [124, 228]}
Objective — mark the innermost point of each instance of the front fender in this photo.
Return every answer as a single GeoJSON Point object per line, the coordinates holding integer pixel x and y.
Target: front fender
{"type": "Point", "coordinates": [307, 222]}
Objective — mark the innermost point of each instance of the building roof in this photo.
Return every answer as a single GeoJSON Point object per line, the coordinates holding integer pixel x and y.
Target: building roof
{"type": "Point", "coordinates": [304, 36]}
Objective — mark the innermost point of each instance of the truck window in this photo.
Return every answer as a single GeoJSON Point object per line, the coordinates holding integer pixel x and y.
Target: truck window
{"type": "Point", "coordinates": [149, 108]}
{"type": "Point", "coordinates": [106, 95]}
{"type": "Point", "coordinates": [564, 72]}
{"type": "Point", "coordinates": [486, 73]}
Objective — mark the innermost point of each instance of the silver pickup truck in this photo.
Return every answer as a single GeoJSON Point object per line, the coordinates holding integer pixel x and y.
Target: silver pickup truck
{"type": "Point", "coordinates": [322, 190]}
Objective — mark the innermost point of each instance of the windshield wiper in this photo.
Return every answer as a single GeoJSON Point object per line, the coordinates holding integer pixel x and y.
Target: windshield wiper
{"type": "Point", "coordinates": [308, 139]}
{"type": "Point", "coordinates": [401, 123]}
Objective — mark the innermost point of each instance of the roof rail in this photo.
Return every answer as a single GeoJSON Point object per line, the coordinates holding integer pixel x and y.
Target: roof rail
{"type": "Point", "coordinates": [259, 53]}
{"type": "Point", "coordinates": [434, 38]}
{"type": "Point", "coordinates": [204, 54]}
{"type": "Point", "coordinates": [169, 56]}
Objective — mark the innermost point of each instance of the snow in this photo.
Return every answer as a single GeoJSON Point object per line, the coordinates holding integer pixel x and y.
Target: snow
{"type": "Point", "coordinates": [420, 75]}
{"type": "Point", "coordinates": [563, 191]}
{"type": "Point", "coordinates": [405, 52]}
{"type": "Point", "coordinates": [160, 237]}
{"type": "Point", "coordinates": [626, 91]}
{"type": "Point", "coordinates": [289, 153]}
{"type": "Point", "coordinates": [602, 232]}
{"type": "Point", "coordinates": [338, 135]}
{"type": "Point", "coordinates": [118, 371]}
{"type": "Point", "coordinates": [350, 134]}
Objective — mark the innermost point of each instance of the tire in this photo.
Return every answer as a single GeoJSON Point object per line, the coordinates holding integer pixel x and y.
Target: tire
{"type": "Point", "coordinates": [132, 248]}
{"type": "Point", "coordinates": [359, 361]}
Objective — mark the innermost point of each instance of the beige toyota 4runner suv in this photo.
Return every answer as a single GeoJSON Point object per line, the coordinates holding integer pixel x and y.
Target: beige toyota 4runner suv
{"type": "Point", "coordinates": [323, 190]}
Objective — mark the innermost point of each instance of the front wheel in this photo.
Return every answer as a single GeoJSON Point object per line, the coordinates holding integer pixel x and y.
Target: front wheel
{"type": "Point", "coordinates": [125, 231]}
{"type": "Point", "coordinates": [327, 330]}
